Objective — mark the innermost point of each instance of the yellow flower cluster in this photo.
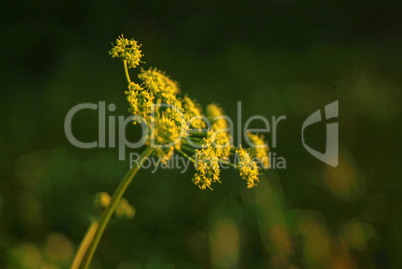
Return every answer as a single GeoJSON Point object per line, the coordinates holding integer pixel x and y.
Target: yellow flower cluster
{"type": "Point", "coordinates": [154, 100]}
{"type": "Point", "coordinates": [259, 149]}
{"type": "Point", "coordinates": [160, 85]}
{"type": "Point", "coordinates": [216, 116]}
{"type": "Point", "coordinates": [247, 167]}
{"type": "Point", "coordinates": [123, 209]}
{"type": "Point", "coordinates": [216, 148]}
{"type": "Point", "coordinates": [170, 117]}
{"type": "Point", "coordinates": [141, 101]}
{"type": "Point", "coordinates": [207, 168]}
{"type": "Point", "coordinates": [167, 131]}
{"type": "Point", "coordinates": [194, 112]}
{"type": "Point", "coordinates": [128, 50]}
{"type": "Point", "coordinates": [220, 141]}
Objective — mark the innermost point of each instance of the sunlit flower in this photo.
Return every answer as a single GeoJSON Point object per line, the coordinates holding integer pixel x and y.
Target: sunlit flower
{"type": "Point", "coordinates": [207, 168]}
{"type": "Point", "coordinates": [141, 101]}
{"type": "Point", "coordinates": [194, 111]}
{"type": "Point", "coordinates": [216, 116]}
{"type": "Point", "coordinates": [220, 141]}
{"type": "Point", "coordinates": [102, 200]}
{"type": "Point", "coordinates": [124, 209]}
{"type": "Point", "coordinates": [259, 149]}
{"type": "Point", "coordinates": [128, 50]}
{"type": "Point", "coordinates": [160, 85]}
{"type": "Point", "coordinates": [170, 118]}
{"type": "Point", "coordinates": [247, 167]}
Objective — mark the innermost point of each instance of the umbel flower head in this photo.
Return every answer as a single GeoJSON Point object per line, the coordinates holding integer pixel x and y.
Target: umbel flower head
{"type": "Point", "coordinates": [248, 168]}
{"type": "Point", "coordinates": [177, 124]}
{"type": "Point", "coordinates": [194, 111]}
{"type": "Point", "coordinates": [259, 149]}
{"type": "Point", "coordinates": [127, 50]}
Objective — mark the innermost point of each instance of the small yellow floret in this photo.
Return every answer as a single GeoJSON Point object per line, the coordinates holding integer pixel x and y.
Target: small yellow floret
{"type": "Point", "coordinates": [216, 116]}
{"type": "Point", "coordinates": [193, 110]}
{"type": "Point", "coordinates": [259, 149]}
{"type": "Point", "coordinates": [247, 167]}
{"type": "Point", "coordinates": [102, 200]}
{"type": "Point", "coordinates": [124, 209]}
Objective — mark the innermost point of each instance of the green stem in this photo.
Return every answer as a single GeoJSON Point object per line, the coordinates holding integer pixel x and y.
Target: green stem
{"type": "Point", "coordinates": [199, 134]}
{"type": "Point", "coordinates": [187, 148]}
{"type": "Point", "coordinates": [112, 206]}
{"type": "Point", "coordinates": [196, 139]}
{"type": "Point", "coordinates": [185, 155]}
{"type": "Point", "coordinates": [227, 163]}
{"type": "Point", "coordinates": [85, 244]}
{"type": "Point", "coordinates": [193, 143]}
{"type": "Point", "coordinates": [126, 72]}
{"type": "Point", "coordinates": [158, 107]}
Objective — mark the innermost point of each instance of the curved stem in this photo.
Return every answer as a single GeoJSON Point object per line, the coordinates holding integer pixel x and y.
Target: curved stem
{"type": "Point", "coordinates": [228, 163]}
{"type": "Point", "coordinates": [126, 72]}
{"type": "Point", "coordinates": [85, 244]}
{"type": "Point", "coordinates": [198, 134]}
{"type": "Point", "coordinates": [112, 206]}
{"type": "Point", "coordinates": [197, 139]}
{"type": "Point", "coordinates": [185, 155]}
{"type": "Point", "coordinates": [192, 143]}
{"type": "Point", "coordinates": [185, 147]}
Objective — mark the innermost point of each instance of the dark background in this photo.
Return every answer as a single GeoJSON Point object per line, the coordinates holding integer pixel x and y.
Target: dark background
{"type": "Point", "coordinates": [277, 57]}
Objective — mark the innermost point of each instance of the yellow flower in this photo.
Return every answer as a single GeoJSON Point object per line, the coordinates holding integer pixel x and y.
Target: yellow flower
{"type": "Point", "coordinates": [128, 50]}
{"type": "Point", "coordinates": [124, 209]}
{"type": "Point", "coordinates": [102, 200]}
{"type": "Point", "coordinates": [177, 115]}
{"type": "Point", "coordinates": [207, 168]}
{"type": "Point", "coordinates": [259, 149]}
{"type": "Point", "coordinates": [247, 167]}
{"type": "Point", "coordinates": [166, 130]}
{"type": "Point", "coordinates": [216, 116]}
{"type": "Point", "coordinates": [141, 101]}
{"type": "Point", "coordinates": [194, 111]}
{"type": "Point", "coordinates": [220, 141]}
{"type": "Point", "coordinates": [160, 85]}
{"type": "Point", "coordinates": [167, 116]}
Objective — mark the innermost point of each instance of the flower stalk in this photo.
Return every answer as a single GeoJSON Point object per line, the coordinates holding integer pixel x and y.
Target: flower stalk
{"type": "Point", "coordinates": [121, 188]}
{"type": "Point", "coordinates": [85, 244]}
{"type": "Point", "coordinates": [175, 124]}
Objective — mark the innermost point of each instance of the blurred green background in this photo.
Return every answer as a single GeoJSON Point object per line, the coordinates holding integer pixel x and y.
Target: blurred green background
{"type": "Point", "coordinates": [280, 57]}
